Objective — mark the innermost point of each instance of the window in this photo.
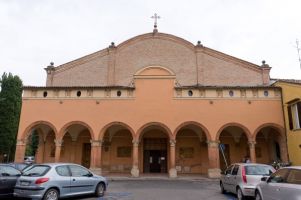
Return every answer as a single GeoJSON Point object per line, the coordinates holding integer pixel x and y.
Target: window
{"type": "Point", "coordinates": [79, 171]}
{"type": "Point", "coordinates": [37, 170]}
{"type": "Point", "coordinates": [62, 170]}
{"type": "Point", "coordinates": [186, 152]}
{"type": "Point", "coordinates": [190, 93]}
{"type": "Point", "coordinates": [259, 170]}
{"type": "Point", "coordinates": [118, 93]}
{"type": "Point", "coordinates": [294, 177]}
{"type": "Point", "coordinates": [228, 170]}
{"type": "Point", "coordinates": [9, 171]}
{"type": "Point", "coordinates": [124, 152]}
{"type": "Point", "coordinates": [266, 93]}
{"type": "Point", "coordinates": [45, 94]}
{"type": "Point", "coordinates": [235, 170]}
{"type": "Point", "coordinates": [294, 114]}
{"type": "Point", "coordinates": [79, 93]}
{"type": "Point", "coordinates": [231, 93]}
{"type": "Point", "coordinates": [279, 176]}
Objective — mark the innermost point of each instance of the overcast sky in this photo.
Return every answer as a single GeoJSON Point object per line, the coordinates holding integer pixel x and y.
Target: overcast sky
{"type": "Point", "coordinates": [35, 32]}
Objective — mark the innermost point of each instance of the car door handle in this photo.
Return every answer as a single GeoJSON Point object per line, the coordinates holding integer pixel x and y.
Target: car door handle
{"type": "Point", "coordinates": [278, 189]}
{"type": "Point", "coordinates": [74, 179]}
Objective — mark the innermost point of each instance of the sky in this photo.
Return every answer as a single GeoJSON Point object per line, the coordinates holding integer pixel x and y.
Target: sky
{"type": "Point", "coordinates": [34, 33]}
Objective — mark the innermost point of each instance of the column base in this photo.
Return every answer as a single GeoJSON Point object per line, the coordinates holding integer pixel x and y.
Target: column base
{"type": "Point", "coordinates": [214, 173]}
{"type": "Point", "coordinates": [172, 173]}
{"type": "Point", "coordinates": [96, 171]}
{"type": "Point", "coordinates": [135, 171]}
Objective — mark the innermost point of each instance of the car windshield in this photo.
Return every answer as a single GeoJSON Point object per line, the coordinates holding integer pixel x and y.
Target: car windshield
{"type": "Point", "coordinates": [258, 170]}
{"type": "Point", "coordinates": [37, 170]}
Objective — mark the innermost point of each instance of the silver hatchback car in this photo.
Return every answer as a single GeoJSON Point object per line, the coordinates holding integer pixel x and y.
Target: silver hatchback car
{"type": "Point", "coordinates": [283, 184]}
{"type": "Point", "coordinates": [242, 178]}
{"type": "Point", "coordinates": [55, 180]}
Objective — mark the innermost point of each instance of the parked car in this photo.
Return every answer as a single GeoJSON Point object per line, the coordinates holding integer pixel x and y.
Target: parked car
{"type": "Point", "coordinates": [8, 179]}
{"type": "Point", "coordinates": [55, 180]}
{"type": "Point", "coordinates": [29, 159]}
{"type": "Point", "coordinates": [19, 166]}
{"type": "Point", "coordinates": [242, 178]}
{"type": "Point", "coordinates": [283, 184]}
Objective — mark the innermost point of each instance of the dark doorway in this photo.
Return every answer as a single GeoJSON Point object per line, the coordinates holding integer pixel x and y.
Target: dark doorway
{"type": "Point", "coordinates": [86, 155]}
{"type": "Point", "coordinates": [277, 149]}
{"type": "Point", "coordinates": [155, 155]}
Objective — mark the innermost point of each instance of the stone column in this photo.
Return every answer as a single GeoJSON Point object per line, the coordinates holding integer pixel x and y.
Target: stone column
{"type": "Point", "coordinates": [73, 151]}
{"type": "Point", "coordinates": [172, 168]}
{"type": "Point", "coordinates": [135, 168]}
{"type": "Point", "coordinates": [20, 151]}
{"type": "Point", "coordinates": [58, 147]}
{"type": "Point", "coordinates": [39, 157]}
{"type": "Point", "coordinates": [213, 156]}
{"type": "Point", "coordinates": [283, 152]}
{"type": "Point", "coordinates": [252, 151]}
{"type": "Point", "coordinates": [95, 156]}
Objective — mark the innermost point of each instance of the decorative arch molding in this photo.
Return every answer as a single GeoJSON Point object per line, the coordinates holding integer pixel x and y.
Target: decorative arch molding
{"type": "Point", "coordinates": [245, 129]}
{"type": "Point", "coordinates": [34, 124]}
{"type": "Point", "coordinates": [159, 124]}
{"type": "Point", "coordinates": [166, 71]}
{"type": "Point", "coordinates": [280, 129]}
{"type": "Point", "coordinates": [66, 126]}
{"type": "Point", "coordinates": [107, 126]}
{"type": "Point", "coordinates": [204, 129]}
{"type": "Point", "coordinates": [162, 36]}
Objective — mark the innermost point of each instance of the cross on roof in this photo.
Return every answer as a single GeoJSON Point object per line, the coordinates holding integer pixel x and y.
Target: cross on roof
{"type": "Point", "coordinates": [155, 17]}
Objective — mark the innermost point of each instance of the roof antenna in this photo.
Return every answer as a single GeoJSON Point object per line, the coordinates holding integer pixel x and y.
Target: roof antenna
{"type": "Point", "coordinates": [298, 50]}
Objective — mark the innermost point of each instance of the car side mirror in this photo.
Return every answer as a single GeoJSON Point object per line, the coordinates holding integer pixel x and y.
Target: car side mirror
{"type": "Point", "coordinates": [90, 174]}
{"type": "Point", "coordinates": [264, 178]}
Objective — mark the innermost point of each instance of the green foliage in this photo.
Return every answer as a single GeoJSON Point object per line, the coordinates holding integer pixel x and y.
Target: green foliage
{"type": "Point", "coordinates": [10, 108]}
{"type": "Point", "coordinates": [32, 144]}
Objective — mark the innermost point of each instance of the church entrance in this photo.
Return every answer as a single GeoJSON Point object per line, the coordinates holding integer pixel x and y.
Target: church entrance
{"type": "Point", "coordinates": [155, 155]}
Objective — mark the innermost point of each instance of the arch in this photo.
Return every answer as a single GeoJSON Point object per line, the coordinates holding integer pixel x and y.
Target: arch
{"type": "Point", "coordinates": [182, 125]}
{"type": "Point", "coordinates": [106, 127]}
{"type": "Point", "coordinates": [63, 129]}
{"type": "Point", "coordinates": [163, 36]}
{"type": "Point", "coordinates": [32, 125]}
{"type": "Point", "coordinates": [140, 130]}
{"type": "Point", "coordinates": [245, 129]}
{"type": "Point", "coordinates": [278, 127]}
{"type": "Point", "coordinates": [166, 70]}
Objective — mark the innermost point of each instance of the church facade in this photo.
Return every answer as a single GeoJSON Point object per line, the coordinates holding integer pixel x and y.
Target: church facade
{"type": "Point", "coordinates": [155, 103]}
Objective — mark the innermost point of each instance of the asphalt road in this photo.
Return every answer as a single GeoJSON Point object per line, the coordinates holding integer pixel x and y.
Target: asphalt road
{"type": "Point", "coordinates": [163, 190]}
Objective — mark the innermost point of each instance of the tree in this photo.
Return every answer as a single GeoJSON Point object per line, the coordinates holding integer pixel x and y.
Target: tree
{"type": "Point", "coordinates": [10, 108]}
{"type": "Point", "coordinates": [32, 144]}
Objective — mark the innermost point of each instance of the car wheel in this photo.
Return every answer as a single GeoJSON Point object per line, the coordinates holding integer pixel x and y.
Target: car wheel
{"type": "Point", "coordinates": [100, 190]}
{"type": "Point", "coordinates": [257, 196]}
{"type": "Point", "coordinates": [223, 191]}
{"type": "Point", "coordinates": [51, 194]}
{"type": "Point", "coordinates": [240, 195]}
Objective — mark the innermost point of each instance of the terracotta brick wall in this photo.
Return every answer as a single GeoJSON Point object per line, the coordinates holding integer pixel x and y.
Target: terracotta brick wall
{"type": "Point", "coordinates": [191, 64]}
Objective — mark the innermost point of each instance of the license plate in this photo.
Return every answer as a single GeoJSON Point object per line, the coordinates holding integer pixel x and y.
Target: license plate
{"type": "Point", "coordinates": [25, 183]}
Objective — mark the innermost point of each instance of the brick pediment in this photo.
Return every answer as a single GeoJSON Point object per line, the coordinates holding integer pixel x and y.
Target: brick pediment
{"type": "Point", "coordinates": [190, 64]}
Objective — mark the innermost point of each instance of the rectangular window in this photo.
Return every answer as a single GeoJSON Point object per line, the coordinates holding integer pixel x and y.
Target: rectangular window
{"type": "Point", "coordinates": [294, 112]}
{"type": "Point", "coordinates": [124, 152]}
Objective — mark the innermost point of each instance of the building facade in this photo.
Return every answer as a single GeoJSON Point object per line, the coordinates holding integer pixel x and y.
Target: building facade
{"type": "Point", "coordinates": [155, 103]}
{"type": "Point", "coordinates": [291, 93]}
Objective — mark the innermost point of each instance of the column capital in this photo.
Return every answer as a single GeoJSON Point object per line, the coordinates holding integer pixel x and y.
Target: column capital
{"type": "Point", "coordinates": [213, 144]}
{"type": "Point", "coordinates": [135, 143]}
{"type": "Point", "coordinates": [20, 142]}
{"type": "Point", "coordinates": [252, 144]}
{"type": "Point", "coordinates": [58, 143]}
{"type": "Point", "coordinates": [172, 142]}
{"type": "Point", "coordinates": [96, 143]}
